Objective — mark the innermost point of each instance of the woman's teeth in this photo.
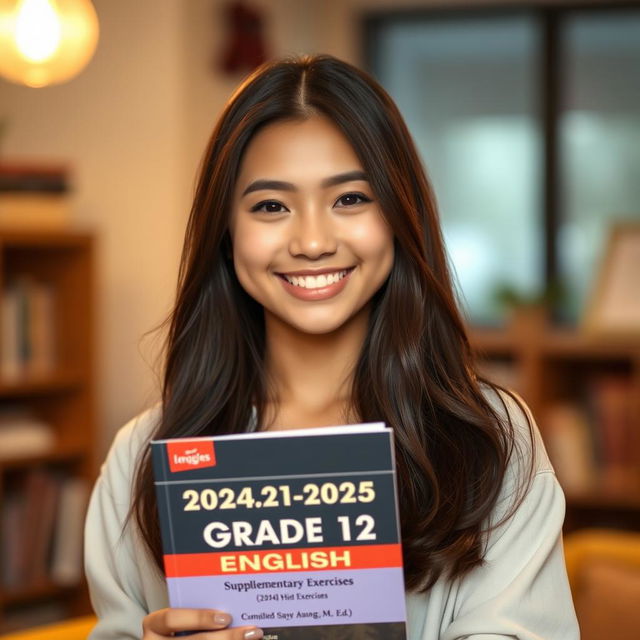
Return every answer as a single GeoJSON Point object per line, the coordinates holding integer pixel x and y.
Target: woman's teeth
{"type": "Point", "coordinates": [316, 282]}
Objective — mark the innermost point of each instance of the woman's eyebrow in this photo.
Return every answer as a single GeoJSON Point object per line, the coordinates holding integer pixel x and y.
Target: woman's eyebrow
{"type": "Point", "coordinates": [278, 185]}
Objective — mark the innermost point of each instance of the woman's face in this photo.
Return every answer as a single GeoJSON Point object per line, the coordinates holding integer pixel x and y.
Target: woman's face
{"type": "Point", "coordinates": [309, 241]}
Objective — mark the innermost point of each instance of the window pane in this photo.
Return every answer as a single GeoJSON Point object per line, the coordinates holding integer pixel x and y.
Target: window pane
{"type": "Point", "coordinates": [600, 141]}
{"type": "Point", "coordinates": [466, 88]}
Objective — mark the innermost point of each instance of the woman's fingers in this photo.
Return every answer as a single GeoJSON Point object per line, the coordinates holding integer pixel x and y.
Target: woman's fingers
{"type": "Point", "coordinates": [167, 621]}
{"type": "Point", "coordinates": [206, 623]}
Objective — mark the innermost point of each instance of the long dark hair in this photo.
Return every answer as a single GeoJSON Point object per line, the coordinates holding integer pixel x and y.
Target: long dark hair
{"type": "Point", "coordinates": [416, 370]}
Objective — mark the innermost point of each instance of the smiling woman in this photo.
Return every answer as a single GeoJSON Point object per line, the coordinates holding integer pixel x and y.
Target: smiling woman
{"type": "Point", "coordinates": [310, 236]}
{"type": "Point", "coordinates": [314, 290]}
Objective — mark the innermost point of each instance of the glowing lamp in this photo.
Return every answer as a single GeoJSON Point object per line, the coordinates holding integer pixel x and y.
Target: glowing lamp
{"type": "Point", "coordinates": [45, 42]}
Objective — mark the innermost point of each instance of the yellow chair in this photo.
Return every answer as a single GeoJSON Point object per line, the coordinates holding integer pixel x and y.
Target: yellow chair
{"type": "Point", "coordinates": [603, 566]}
{"type": "Point", "coordinates": [74, 629]}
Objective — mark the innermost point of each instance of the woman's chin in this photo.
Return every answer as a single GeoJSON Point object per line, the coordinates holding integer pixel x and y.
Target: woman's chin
{"type": "Point", "coordinates": [317, 322]}
{"type": "Point", "coordinates": [318, 328]}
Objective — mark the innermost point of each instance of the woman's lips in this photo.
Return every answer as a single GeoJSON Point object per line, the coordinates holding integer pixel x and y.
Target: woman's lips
{"type": "Point", "coordinates": [316, 293]}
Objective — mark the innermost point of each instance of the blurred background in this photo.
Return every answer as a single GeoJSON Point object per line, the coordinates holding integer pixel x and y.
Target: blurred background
{"type": "Point", "coordinates": [527, 117]}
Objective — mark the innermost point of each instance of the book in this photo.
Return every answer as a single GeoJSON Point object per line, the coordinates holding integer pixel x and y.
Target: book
{"type": "Point", "coordinates": [612, 404]}
{"type": "Point", "coordinates": [37, 496]}
{"type": "Point", "coordinates": [294, 531]}
{"type": "Point", "coordinates": [67, 543]}
{"type": "Point", "coordinates": [21, 522]}
{"type": "Point", "coordinates": [28, 345]}
{"type": "Point", "coordinates": [11, 510]}
{"type": "Point", "coordinates": [571, 449]}
{"type": "Point", "coordinates": [40, 328]}
{"type": "Point", "coordinates": [39, 552]}
{"type": "Point", "coordinates": [10, 362]}
{"type": "Point", "coordinates": [33, 177]}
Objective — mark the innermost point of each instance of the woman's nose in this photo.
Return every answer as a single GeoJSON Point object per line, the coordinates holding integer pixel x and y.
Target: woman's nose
{"type": "Point", "coordinates": [312, 236]}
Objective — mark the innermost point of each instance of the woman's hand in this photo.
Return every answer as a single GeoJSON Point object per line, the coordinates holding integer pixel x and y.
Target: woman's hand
{"type": "Point", "coordinates": [205, 624]}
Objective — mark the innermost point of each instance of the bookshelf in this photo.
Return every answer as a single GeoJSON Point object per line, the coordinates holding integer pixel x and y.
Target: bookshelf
{"type": "Point", "coordinates": [59, 394]}
{"type": "Point", "coordinates": [585, 396]}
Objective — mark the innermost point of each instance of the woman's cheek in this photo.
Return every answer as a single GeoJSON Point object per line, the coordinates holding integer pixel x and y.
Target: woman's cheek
{"type": "Point", "coordinates": [254, 251]}
{"type": "Point", "coordinates": [372, 239]}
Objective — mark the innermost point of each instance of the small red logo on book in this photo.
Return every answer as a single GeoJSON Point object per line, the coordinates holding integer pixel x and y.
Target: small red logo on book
{"type": "Point", "coordinates": [184, 456]}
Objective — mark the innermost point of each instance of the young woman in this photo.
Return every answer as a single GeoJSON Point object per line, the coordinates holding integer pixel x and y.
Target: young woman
{"type": "Point", "coordinates": [314, 290]}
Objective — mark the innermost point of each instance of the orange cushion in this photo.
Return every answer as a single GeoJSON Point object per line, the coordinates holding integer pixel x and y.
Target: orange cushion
{"type": "Point", "coordinates": [607, 600]}
{"type": "Point", "coordinates": [74, 629]}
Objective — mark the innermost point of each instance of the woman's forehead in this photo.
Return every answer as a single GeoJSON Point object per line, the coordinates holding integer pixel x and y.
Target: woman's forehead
{"type": "Point", "coordinates": [313, 149]}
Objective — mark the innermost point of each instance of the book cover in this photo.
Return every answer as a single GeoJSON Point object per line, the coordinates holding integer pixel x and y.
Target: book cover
{"type": "Point", "coordinates": [294, 531]}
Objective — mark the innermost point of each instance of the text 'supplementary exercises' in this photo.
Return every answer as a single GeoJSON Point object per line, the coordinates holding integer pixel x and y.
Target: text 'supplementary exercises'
{"type": "Point", "coordinates": [293, 531]}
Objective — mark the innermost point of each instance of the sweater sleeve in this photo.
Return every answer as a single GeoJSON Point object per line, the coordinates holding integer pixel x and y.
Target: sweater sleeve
{"type": "Point", "coordinates": [113, 557]}
{"type": "Point", "coordinates": [522, 590]}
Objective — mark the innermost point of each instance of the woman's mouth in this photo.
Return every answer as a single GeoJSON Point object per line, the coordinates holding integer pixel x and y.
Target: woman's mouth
{"type": "Point", "coordinates": [315, 287]}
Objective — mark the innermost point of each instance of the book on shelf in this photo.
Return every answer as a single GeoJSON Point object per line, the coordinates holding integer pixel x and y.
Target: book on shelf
{"type": "Point", "coordinates": [40, 495]}
{"type": "Point", "coordinates": [592, 440]}
{"type": "Point", "coordinates": [610, 402]}
{"type": "Point", "coordinates": [569, 442]}
{"type": "Point", "coordinates": [10, 535]}
{"type": "Point", "coordinates": [28, 328]}
{"type": "Point", "coordinates": [27, 526]}
{"type": "Point", "coordinates": [66, 555]}
{"type": "Point", "coordinates": [31, 176]}
{"type": "Point", "coordinates": [42, 526]}
{"type": "Point", "coordinates": [294, 531]}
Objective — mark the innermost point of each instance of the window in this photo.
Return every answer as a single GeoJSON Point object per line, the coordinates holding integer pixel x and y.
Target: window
{"type": "Point", "coordinates": [528, 123]}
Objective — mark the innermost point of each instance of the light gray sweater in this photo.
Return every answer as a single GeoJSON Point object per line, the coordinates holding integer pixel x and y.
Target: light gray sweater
{"type": "Point", "coordinates": [521, 592]}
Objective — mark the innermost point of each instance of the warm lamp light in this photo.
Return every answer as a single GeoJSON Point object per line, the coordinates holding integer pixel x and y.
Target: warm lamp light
{"type": "Point", "coordinates": [45, 42]}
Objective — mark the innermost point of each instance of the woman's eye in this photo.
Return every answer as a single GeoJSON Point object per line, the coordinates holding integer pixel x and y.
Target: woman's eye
{"type": "Point", "coordinates": [273, 206]}
{"type": "Point", "coordinates": [349, 199]}
{"type": "Point", "coordinates": [268, 206]}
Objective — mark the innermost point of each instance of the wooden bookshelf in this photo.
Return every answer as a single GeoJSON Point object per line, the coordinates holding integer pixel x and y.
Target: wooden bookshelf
{"type": "Point", "coordinates": [548, 365]}
{"type": "Point", "coordinates": [63, 397]}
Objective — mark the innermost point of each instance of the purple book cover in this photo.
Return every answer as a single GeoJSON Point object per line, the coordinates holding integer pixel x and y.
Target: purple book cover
{"type": "Point", "coordinates": [296, 532]}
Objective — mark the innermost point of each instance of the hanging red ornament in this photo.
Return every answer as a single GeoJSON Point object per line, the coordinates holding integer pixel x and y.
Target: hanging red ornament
{"type": "Point", "coordinates": [245, 49]}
